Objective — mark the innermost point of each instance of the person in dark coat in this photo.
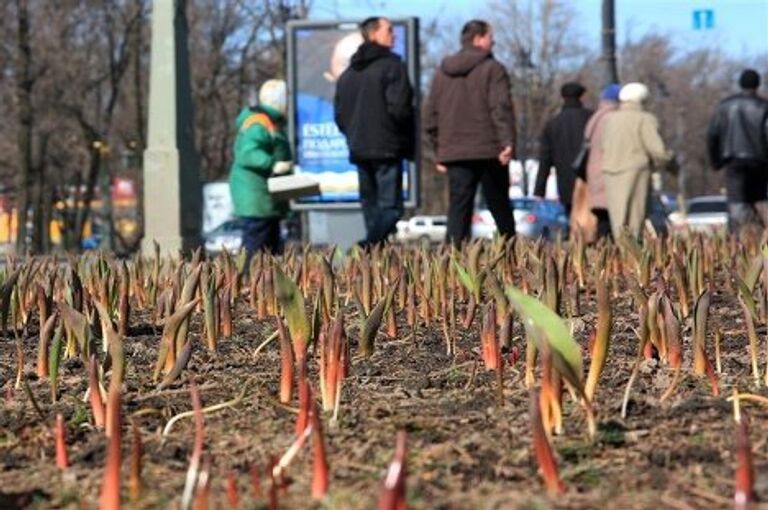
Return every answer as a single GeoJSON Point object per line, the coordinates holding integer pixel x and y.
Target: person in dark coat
{"type": "Point", "coordinates": [560, 144]}
{"type": "Point", "coordinates": [469, 125]}
{"type": "Point", "coordinates": [373, 108]}
{"type": "Point", "coordinates": [737, 140]}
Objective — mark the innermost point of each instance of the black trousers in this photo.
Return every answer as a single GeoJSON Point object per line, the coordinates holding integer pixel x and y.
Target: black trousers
{"type": "Point", "coordinates": [463, 179]}
{"type": "Point", "coordinates": [747, 186]}
{"type": "Point", "coordinates": [746, 182]}
{"type": "Point", "coordinates": [381, 197]}
{"type": "Point", "coordinates": [603, 223]}
{"type": "Point", "coordinates": [261, 234]}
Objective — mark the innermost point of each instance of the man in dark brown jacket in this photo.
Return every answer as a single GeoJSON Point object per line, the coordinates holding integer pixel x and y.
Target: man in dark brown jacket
{"type": "Point", "coordinates": [469, 123]}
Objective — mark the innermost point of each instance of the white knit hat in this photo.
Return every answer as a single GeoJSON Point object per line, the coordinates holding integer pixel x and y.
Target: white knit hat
{"type": "Point", "coordinates": [633, 93]}
{"type": "Point", "coordinates": [274, 94]}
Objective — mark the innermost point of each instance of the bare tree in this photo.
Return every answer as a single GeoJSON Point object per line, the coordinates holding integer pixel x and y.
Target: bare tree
{"type": "Point", "coordinates": [88, 49]}
{"type": "Point", "coordinates": [542, 48]}
{"type": "Point", "coordinates": [237, 45]}
{"type": "Point", "coordinates": [24, 84]}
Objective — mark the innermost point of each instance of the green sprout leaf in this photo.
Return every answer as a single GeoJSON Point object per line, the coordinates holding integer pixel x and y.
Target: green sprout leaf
{"type": "Point", "coordinates": [549, 331]}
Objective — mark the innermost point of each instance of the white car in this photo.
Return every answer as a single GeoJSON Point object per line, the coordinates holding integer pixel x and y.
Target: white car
{"type": "Point", "coordinates": [702, 214]}
{"type": "Point", "coordinates": [483, 225]}
{"type": "Point", "coordinates": [425, 229]}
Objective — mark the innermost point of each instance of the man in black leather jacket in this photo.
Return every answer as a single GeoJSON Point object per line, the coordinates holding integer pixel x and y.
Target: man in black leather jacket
{"type": "Point", "coordinates": [737, 140]}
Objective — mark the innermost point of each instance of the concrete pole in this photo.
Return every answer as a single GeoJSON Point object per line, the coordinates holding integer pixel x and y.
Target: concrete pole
{"type": "Point", "coordinates": [172, 191]}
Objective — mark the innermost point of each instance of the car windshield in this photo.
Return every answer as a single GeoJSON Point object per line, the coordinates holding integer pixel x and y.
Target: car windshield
{"type": "Point", "coordinates": [227, 226]}
{"type": "Point", "coordinates": [548, 209]}
{"type": "Point", "coordinates": [522, 203]}
{"type": "Point", "coordinates": [658, 207]}
{"type": "Point", "coordinates": [707, 207]}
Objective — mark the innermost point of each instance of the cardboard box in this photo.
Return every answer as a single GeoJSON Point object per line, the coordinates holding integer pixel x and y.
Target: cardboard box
{"type": "Point", "coordinates": [291, 187]}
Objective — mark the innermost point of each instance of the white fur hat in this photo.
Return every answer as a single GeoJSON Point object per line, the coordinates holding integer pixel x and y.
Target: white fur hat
{"type": "Point", "coordinates": [274, 94]}
{"type": "Point", "coordinates": [633, 93]}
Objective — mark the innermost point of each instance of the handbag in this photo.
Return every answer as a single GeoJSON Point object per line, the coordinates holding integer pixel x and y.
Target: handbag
{"type": "Point", "coordinates": [579, 165]}
{"type": "Point", "coordinates": [583, 221]}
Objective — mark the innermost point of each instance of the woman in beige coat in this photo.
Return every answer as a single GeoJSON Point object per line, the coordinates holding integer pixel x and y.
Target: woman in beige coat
{"type": "Point", "coordinates": [632, 147]}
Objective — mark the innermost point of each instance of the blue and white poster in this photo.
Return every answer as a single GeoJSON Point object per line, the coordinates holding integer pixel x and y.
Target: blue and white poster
{"type": "Point", "coordinates": [321, 52]}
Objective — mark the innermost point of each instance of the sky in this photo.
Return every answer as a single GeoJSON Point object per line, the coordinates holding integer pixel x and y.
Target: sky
{"type": "Point", "coordinates": [740, 26]}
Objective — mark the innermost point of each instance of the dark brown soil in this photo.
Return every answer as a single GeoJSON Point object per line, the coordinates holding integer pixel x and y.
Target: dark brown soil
{"type": "Point", "coordinates": [465, 451]}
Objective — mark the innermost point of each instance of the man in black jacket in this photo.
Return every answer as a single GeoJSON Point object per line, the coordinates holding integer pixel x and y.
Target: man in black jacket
{"type": "Point", "coordinates": [560, 144]}
{"type": "Point", "coordinates": [737, 140]}
{"type": "Point", "coordinates": [374, 109]}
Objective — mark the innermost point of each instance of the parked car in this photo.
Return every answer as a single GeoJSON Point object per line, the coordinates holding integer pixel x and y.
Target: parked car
{"type": "Point", "coordinates": [705, 213]}
{"type": "Point", "coordinates": [533, 218]}
{"type": "Point", "coordinates": [227, 236]}
{"type": "Point", "coordinates": [483, 225]}
{"type": "Point", "coordinates": [426, 229]}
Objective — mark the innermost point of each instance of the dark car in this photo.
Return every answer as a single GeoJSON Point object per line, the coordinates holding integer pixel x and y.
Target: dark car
{"type": "Point", "coordinates": [227, 236]}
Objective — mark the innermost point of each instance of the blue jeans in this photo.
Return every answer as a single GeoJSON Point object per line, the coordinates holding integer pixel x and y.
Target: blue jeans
{"type": "Point", "coordinates": [381, 197]}
{"type": "Point", "coordinates": [261, 234]}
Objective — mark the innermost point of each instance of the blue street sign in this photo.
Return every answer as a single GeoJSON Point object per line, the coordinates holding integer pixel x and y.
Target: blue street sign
{"type": "Point", "coordinates": [703, 19]}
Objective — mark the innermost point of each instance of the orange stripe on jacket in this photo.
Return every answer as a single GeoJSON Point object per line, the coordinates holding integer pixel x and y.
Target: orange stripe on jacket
{"type": "Point", "coordinates": [261, 119]}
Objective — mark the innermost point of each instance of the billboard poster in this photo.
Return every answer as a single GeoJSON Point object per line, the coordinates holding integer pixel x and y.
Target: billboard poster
{"type": "Point", "coordinates": [318, 53]}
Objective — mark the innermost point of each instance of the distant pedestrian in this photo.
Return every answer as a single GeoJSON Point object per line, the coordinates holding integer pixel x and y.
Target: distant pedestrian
{"type": "Point", "coordinates": [737, 140]}
{"type": "Point", "coordinates": [593, 170]}
{"type": "Point", "coordinates": [632, 147]}
{"type": "Point", "coordinates": [560, 144]}
{"type": "Point", "coordinates": [469, 123]}
{"type": "Point", "coordinates": [261, 151]}
{"type": "Point", "coordinates": [374, 109]}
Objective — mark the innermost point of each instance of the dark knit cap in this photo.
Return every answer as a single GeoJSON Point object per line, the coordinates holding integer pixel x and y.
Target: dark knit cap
{"type": "Point", "coordinates": [573, 90]}
{"type": "Point", "coordinates": [749, 79]}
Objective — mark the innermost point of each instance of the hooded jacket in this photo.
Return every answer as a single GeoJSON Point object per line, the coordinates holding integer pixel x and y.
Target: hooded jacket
{"type": "Point", "coordinates": [260, 143]}
{"type": "Point", "coordinates": [373, 105]}
{"type": "Point", "coordinates": [469, 113]}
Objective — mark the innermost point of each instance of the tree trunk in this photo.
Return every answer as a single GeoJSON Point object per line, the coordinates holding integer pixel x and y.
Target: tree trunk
{"type": "Point", "coordinates": [46, 213]}
{"type": "Point", "coordinates": [610, 73]}
{"type": "Point", "coordinates": [24, 84]}
{"type": "Point", "coordinates": [83, 206]}
{"type": "Point", "coordinates": [36, 199]}
{"type": "Point", "coordinates": [70, 214]}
